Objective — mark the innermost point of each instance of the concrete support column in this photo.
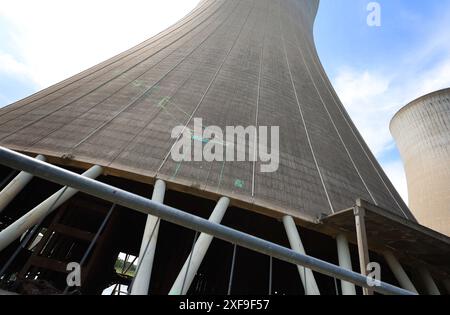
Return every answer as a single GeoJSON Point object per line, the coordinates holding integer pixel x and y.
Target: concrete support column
{"type": "Point", "coordinates": [399, 272]}
{"type": "Point", "coordinates": [345, 261]}
{"type": "Point", "coordinates": [306, 275]}
{"type": "Point", "coordinates": [15, 187]}
{"type": "Point", "coordinates": [193, 262]}
{"type": "Point", "coordinates": [15, 230]}
{"type": "Point", "coordinates": [148, 246]}
{"type": "Point", "coordinates": [428, 281]}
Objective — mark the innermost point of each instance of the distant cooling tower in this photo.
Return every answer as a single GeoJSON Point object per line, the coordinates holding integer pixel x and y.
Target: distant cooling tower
{"type": "Point", "coordinates": [422, 132]}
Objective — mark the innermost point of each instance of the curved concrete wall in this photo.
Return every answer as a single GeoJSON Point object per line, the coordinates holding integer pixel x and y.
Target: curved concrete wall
{"type": "Point", "coordinates": [422, 132]}
{"type": "Point", "coordinates": [231, 63]}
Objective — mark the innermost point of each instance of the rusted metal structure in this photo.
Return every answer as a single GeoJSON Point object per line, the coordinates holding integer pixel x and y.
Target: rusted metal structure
{"type": "Point", "coordinates": [231, 63]}
{"type": "Point", "coordinates": [422, 132]}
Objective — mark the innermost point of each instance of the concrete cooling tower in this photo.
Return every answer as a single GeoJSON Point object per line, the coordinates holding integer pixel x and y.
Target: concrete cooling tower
{"type": "Point", "coordinates": [422, 132]}
{"type": "Point", "coordinates": [313, 186]}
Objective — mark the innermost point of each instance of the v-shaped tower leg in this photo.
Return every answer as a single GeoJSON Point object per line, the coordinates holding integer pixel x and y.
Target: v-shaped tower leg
{"type": "Point", "coordinates": [306, 275]}
{"type": "Point", "coordinates": [193, 262]}
{"type": "Point", "coordinates": [148, 246]}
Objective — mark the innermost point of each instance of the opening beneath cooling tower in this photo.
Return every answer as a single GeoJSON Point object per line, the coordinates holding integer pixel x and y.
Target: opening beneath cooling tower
{"type": "Point", "coordinates": [253, 273]}
{"type": "Point", "coordinates": [125, 268]}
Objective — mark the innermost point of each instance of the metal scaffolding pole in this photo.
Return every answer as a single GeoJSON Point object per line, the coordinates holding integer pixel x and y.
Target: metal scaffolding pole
{"type": "Point", "coordinates": [306, 275]}
{"type": "Point", "coordinates": [363, 247]}
{"type": "Point", "coordinates": [15, 187]}
{"type": "Point", "coordinates": [428, 281]}
{"type": "Point", "coordinates": [132, 201]}
{"type": "Point", "coordinates": [16, 229]}
{"type": "Point", "coordinates": [399, 272]}
{"type": "Point", "coordinates": [233, 263]}
{"type": "Point", "coordinates": [345, 261]}
{"type": "Point", "coordinates": [193, 262]}
{"type": "Point", "coordinates": [148, 246]}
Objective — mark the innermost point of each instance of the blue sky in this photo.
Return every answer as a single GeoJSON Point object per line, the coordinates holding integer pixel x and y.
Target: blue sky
{"type": "Point", "coordinates": [375, 70]}
{"type": "Point", "coordinates": [378, 70]}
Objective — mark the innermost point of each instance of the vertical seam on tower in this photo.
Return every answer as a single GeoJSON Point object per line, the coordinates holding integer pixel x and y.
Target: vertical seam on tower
{"type": "Point", "coordinates": [207, 89]}
{"type": "Point", "coordinates": [257, 103]}
{"type": "Point", "coordinates": [303, 118]}
{"type": "Point", "coordinates": [331, 118]}
{"type": "Point", "coordinates": [357, 139]}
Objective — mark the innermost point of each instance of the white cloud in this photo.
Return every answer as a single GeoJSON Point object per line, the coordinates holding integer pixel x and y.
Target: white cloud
{"type": "Point", "coordinates": [436, 78]}
{"type": "Point", "coordinates": [12, 67]}
{"type": "Point", "coordinates": [356, 87]}
{"type": "Point", "coordinates": [55, 39]}
{"type": "Point", "coordinates": [395, 171]}
{"type": "Point", "coordinates": [372, 97]}
{"type": "Point", "coordinates": [362, 94]}
{"type": "Point", "coordinates": [4, 99]}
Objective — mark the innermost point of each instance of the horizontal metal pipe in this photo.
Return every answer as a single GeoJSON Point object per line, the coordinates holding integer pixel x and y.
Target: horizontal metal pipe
{"type": "Point", "coordinates": [112, 194]}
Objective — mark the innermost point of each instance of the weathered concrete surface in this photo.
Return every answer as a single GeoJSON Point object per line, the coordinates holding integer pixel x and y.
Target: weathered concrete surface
{"type": "Point", "coordinates": [422, 132]}
{"type": "Point", "coordinates": [230, 62]}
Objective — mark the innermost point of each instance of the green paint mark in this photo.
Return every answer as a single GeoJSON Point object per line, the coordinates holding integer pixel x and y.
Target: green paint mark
{"type": "Point", "coordinates": [169, 113]}
{"type": "Point", "coordinates": [180, 109]}
{"type": "Point", "coordinates": [200, 139]}
{"type": "Point", "coordinates": [167, 101]}
{"type": "Point", "coordinates": [221, 176]}
{"type": "Point", "coordinates": [163, 103]}
{"type": "Point", "coordinates": [138, 83]}
{"type": "Point", "coordinates": [176, 171]}
{"type": "Point", "coordinates": [238, 183]}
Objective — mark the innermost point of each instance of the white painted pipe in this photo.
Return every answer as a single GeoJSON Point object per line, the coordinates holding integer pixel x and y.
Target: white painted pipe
{"type": "Point", "coordinates": [148, 246]}
{"type": "Point", "coordinates": [193, 262]}
{"type": "Point", "coordinates": [16, 186]}
{"type": "Point", "coordinates": [345, 261]}
{"type": "Point", "coordinates": [399, 272]}
{"type": "Point", "coordinates": [428, 281]}
{"type": "Point", "coordinates": [15, 230]}
{"type": "Point", "coordinates": [306, 275]}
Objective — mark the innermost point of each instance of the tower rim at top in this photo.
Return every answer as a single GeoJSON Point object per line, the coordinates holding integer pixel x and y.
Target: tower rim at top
{"type": "Point", "coordinates": [417, 101]}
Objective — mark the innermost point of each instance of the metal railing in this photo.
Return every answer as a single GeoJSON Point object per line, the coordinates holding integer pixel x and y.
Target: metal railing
{"type": "Point", "coordinates": [126, 199]}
